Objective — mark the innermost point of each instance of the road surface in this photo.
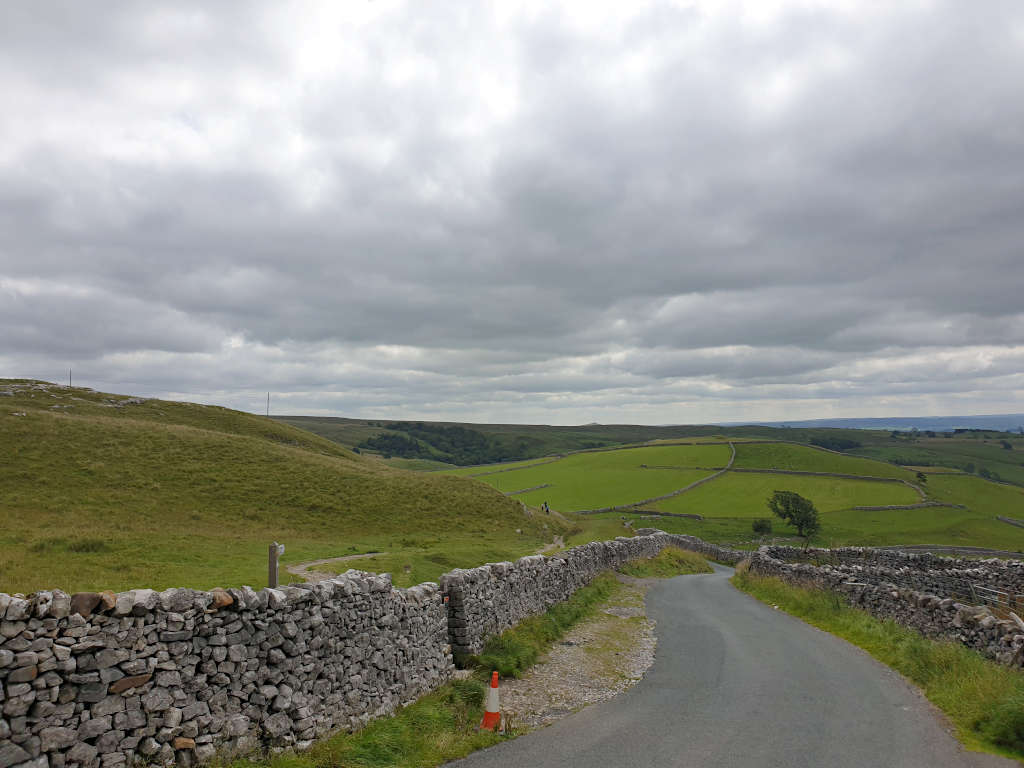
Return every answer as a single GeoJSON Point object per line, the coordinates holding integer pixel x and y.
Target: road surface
{"type": "Point", "coordinates": [737, 683]}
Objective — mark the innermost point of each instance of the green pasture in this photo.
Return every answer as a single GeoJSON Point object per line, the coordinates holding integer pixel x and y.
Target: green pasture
{"type": "Point", "coordinates": [743, 495]}
{"type": "Point", "coordinates": [982, 496]}
{"type": "Point", "coordinates": [931, 525]}
{"type": "Point", "coordinates": [609, 478]}
{"type": "Point", "coordinates": [807, 459]}
{"type": "Point", "coordinates": [574, 490]}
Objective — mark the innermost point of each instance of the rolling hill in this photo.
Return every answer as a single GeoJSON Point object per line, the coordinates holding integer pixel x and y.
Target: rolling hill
{"type": "Point", "coordinates": [102, 491]}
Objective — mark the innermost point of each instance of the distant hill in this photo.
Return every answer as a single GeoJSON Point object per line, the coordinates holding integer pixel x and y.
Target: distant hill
{"type": "Point", "coordinates": [103, 491]}
{"type": "Point", "coordinates": [1007, 422]}
{"type": "Point", "coordinates": [990, 453]}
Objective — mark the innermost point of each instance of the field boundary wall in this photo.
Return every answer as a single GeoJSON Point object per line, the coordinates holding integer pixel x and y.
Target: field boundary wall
{"type": "Point", "coordinates": [894, 593]}
{"type": "Point", "coordinates": [486, 601]}
{"type": "Point", "coordinates": [104, 680]}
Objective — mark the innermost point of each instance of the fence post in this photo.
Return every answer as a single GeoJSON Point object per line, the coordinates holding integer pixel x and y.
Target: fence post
{"type": "Point", "coordinates": [273, 553]}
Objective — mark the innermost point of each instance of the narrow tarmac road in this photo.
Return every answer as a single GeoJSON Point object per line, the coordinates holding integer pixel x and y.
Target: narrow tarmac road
{"type": "Point", "coordinates": [737, 683]}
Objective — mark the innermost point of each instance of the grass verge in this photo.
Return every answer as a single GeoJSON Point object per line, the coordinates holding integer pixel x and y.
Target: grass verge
{"type": "Point", "coordinates": [439, 727]}
{"type": "Point", "coordinates": [984, 700]}
{"type": "Point", "coordinates": [672, 561]}
{"type": "Point", "coordinates": [513, 651]}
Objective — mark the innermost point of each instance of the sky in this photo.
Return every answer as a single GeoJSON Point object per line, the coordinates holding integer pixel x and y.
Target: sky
{"type": "Point", "coordinates": [542, 212]}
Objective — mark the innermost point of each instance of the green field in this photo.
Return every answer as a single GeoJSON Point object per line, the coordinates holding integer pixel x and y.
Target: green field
{"type": "Point", "coordinates": [607, 478]}
{"type": "Point", "coordinates": [980, 495]}
{"type": "Point", "coordinates": [742, 495]}
{"type": "Point", "coordinates": [934, 525]}
{"type": "Point", "coordinates": [160, 494]}
{"type": "Point", "coordinates": [807, 459]}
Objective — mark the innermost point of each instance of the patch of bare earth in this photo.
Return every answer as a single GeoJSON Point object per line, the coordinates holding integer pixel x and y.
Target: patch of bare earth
{"type": "Point", "coordinates": [306, 572]}
{"type": "Point", "coordinates": [596, 660]}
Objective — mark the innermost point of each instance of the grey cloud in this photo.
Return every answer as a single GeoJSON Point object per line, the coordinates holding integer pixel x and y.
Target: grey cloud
{"type": "Point", "coordinates": [432, 206]}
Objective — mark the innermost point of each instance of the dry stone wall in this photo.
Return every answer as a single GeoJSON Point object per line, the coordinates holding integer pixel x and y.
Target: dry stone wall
{"type": "Point", "coordinates": [934, 615]}
{"type": "Point", "coordinates": [103, 680]}
{"type": "Point", "coordinates": [106, 680]}
{"type": "Point", "coordinates": [920, 571]}
{"type": "Point", "coordinates": [485, 601]}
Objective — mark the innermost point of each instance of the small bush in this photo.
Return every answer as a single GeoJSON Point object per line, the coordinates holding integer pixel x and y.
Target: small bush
{"type": "Point", "coordinates": [762, 526]}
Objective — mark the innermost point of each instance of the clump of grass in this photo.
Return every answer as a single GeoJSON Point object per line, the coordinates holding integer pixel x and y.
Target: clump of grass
{"type": "Point", "coordinates": [60, 544]}
{"type": "Point", "coordinates": [983, 699]}
{"type": "Point", "coordinates": [671, 561]}
{"type": "Point", "coordinates": [512, 652]}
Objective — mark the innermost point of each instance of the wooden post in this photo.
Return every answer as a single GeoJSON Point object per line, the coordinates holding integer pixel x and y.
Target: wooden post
{"type": "Point", "coordinates": [272, 554]}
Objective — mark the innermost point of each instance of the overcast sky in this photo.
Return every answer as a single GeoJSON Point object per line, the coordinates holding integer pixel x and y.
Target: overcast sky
{"type": "Point", "coordinates": [518, 212]}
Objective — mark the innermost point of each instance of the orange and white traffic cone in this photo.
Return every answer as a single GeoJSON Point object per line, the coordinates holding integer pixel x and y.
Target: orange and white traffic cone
{"type": "Point", "coordinates": [492, 712]}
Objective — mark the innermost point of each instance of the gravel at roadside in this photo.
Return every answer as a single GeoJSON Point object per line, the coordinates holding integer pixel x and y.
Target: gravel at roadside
{"type": "Point", "coordinates": [596, 660]}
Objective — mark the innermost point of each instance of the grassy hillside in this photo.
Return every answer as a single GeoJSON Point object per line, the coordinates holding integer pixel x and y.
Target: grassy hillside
{"type": "Point", "coordinates": [106, 492]}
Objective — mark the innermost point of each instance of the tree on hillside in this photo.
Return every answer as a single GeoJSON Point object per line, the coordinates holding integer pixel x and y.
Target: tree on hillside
{"type": "Point", "coordinates": [797, 511]}
{"type": "Point", "coordinates": [922, 477]}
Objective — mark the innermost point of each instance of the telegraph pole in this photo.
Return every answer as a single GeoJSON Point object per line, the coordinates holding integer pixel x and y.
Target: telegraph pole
{"type": "Point", "coordinates": [268, 405]}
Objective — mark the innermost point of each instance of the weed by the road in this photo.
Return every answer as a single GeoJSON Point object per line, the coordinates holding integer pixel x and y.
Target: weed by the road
{"type": "Point", "coordinates": [983, 699]}
{"type": "Point", "coordinates": [672, 561]}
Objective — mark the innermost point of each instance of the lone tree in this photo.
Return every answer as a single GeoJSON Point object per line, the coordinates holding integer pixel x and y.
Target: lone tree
{"type": "Point", "coordinates": [762, 526]}
{"type": "Point", "coordinates": [797, 511]}
{"type": "Point", "coordinates": [922, 477]}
